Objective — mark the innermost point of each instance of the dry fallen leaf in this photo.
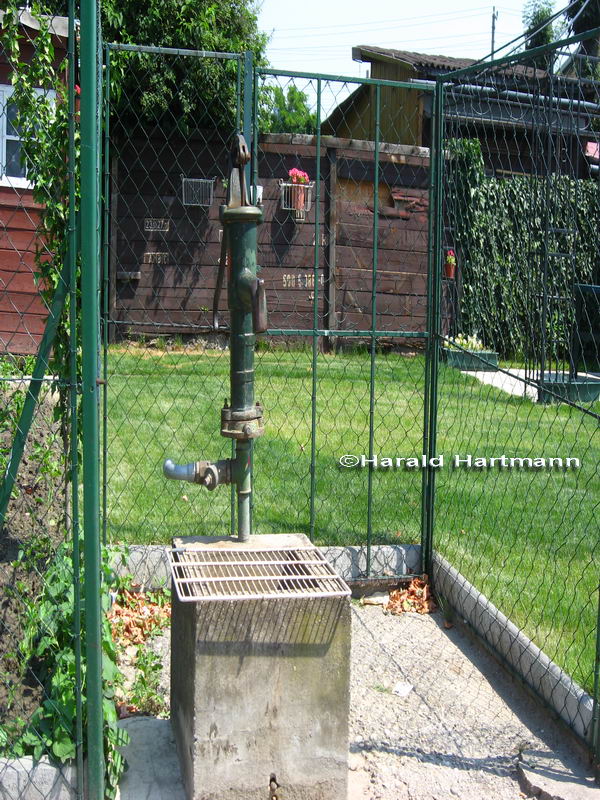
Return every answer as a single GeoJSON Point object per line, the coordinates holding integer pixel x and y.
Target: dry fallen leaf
{"type": "Point", "coordinates": [135, 616]}
{"type": "Point", "coordinates": [416, 597]}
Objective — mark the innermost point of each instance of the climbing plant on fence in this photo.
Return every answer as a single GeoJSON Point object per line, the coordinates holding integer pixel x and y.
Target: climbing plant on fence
{"type": "Point", "coordinates": [41, 102]}
{"type": "Point", "coordinates": [507, 231]}
{"type": "Point", "coordinates": [44, 640]}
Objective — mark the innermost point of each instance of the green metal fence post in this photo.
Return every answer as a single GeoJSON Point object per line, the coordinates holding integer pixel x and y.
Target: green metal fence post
{"type": "Point", "coordinates": [595, 732]}
{"type": "Point", "coordinates": [73, 402]}
{"type": "Point", "coordinates": [373, 347]}
{"type": "Point", "coordinates": [434, 321]}
{"type": "Point", "coordinates": [90, 263]}
{"type": "Point", "coordinates": [315, 334]}
{"type": "Point", "coordinates": [105, 287]}
{"type": "Point", "coordinates": [248, 108]}
{"type": "Point", "coordinates": [430, 340]}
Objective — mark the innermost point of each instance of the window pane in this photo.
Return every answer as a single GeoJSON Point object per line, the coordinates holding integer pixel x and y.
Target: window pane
{"type": "Point", "coordinates": [14, 168]}
{"type": "Point", "coordinates": [11, 119]}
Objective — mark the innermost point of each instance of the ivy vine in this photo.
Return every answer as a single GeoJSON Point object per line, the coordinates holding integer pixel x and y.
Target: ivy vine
{"type": "Point", "coordinates": [40, 96]}
{"type": "Point", "coordinates": [511, 235]}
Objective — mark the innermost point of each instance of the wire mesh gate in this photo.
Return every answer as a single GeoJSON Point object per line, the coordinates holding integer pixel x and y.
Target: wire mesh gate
{"type": "Point", "coordinates": [344, 251]}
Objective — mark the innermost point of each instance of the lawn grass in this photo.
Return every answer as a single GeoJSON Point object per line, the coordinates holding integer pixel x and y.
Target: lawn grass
{"type": "Point", "coordinates": [527, 539]}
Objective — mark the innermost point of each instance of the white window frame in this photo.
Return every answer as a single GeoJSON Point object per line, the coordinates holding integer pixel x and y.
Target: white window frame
{"type": "Point", "coordinates": [7, 180]}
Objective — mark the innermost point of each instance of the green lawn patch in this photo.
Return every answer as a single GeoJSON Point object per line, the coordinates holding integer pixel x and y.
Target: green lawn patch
{"type": "Point", "coordinates": [527, 539]}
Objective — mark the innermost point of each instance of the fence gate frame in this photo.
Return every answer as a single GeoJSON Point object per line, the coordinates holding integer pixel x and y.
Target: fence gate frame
{"type": "Point", "coordinates": [433, 292]}
{"type": "Point", "coordinates": [248, 77]}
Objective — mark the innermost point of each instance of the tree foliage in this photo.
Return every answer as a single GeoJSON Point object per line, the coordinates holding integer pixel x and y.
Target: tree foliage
{"type": "Point", "coordinates": [538, 30]}
{"type": "Point", "coordinates": [189, 92]}
{"type": "Point", "coordinates": [40, 98]}
{"type": "Point", "coordinates": [582, 16]}
{"type": "Point", "coordinates": [288, 112]}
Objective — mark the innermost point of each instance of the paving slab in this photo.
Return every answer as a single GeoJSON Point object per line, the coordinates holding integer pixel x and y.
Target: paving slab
{"type": "Point", "coordinates": [152, 764]}
{"type": "Point", "coordinates": [548, 777]}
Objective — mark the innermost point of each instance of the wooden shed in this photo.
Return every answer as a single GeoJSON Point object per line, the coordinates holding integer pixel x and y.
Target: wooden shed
{"type": "Point", "coordinates": [22, 311]}
{"type": "Point", "coordinates": [164, 252]}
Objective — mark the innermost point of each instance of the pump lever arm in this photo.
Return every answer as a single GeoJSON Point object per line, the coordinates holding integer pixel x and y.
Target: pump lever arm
{"type": "Point", "coordinates": [239, 156]}
{"type": "Point", "coordinates": [220, 277]}
{"type": "Point", "coordinates": [259, 306]}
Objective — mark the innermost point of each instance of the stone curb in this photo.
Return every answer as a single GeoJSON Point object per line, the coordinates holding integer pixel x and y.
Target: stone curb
{"type": "Point", "coordinates": [149, 564]}
{"type": "Point", "coordinates": [543, 675]}
{"type": "Point", "coordinates": [26, 779]}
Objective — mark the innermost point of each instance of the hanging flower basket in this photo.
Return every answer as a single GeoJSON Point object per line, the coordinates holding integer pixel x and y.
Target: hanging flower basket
{"type": "Point", "coordinates": [296, 194]}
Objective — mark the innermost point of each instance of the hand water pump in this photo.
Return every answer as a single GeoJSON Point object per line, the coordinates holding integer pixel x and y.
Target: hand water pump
{"type": "Point", "coordinates": [241, 418]}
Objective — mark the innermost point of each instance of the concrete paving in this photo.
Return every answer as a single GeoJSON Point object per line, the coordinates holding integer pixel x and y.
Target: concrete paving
{"type": "Point", "coordinates": [465, 730]}
{"type": "Point", "coordinates": [153, 767]}
{"type": "Point", "coordinates": [514, 383]}
{"type": "Point", "coordinates": [547, 777]}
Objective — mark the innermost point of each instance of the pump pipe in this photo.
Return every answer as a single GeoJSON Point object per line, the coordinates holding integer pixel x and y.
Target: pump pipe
{"type": "Point", "coordinates": [242, 419]}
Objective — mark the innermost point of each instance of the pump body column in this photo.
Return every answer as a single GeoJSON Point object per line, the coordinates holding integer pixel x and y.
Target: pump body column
{"type": "Point", "coordinates": [242, 419]}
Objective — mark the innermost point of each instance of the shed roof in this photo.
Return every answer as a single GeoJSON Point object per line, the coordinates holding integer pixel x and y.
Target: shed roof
{"type": "Point", "coordinates": [445, 63]}
{"type": "Point", "coordinates": [431, 65]}
{"type": "Point", "coordinates": [59, 26]}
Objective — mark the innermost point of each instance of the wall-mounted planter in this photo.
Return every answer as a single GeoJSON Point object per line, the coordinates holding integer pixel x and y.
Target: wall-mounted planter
{"type": "Point", "coordinates": [471, 361]}
{"type": "Point", "coordinates": [579, 390]}
{"type": "Point", "coordinates": [296, 197]}
{"type": "Point", "coordinates": [197, 191]}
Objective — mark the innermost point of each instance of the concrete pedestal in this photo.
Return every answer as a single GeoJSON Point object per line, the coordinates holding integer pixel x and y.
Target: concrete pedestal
{"type": "Point", "coordinates": [260, 688]}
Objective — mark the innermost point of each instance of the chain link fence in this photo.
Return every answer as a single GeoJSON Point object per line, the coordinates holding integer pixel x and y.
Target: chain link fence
{"type": "Point", "coordinates": [369, 368]}
{"type": "Point", "coordinates": [41, 715]}
{"type": "Point", "coordinates": [516, 529]}
{"type": "Point", "coordinates": [343, 250]}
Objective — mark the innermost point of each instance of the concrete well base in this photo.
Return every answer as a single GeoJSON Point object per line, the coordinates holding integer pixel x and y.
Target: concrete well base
{"type": "Point", "coordinates": [260, 688]}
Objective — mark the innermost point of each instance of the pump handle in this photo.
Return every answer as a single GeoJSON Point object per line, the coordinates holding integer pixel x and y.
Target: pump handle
{"type": "Point", "coordinates": [259, 307]}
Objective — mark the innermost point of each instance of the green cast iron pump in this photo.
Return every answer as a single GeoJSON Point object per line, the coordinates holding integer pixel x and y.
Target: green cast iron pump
{"type": "Point", "coordinates": [241, 418]}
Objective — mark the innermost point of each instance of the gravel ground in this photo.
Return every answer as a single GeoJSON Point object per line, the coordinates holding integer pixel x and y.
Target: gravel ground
{"type": "Point", "coordinates": [453, 736]}
{"type": "Point", "coordinates": [432, 716]}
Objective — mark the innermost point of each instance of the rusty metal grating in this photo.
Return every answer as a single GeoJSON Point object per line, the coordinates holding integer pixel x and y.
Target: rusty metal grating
{"type": "Point", "coordinates": [242, 574]}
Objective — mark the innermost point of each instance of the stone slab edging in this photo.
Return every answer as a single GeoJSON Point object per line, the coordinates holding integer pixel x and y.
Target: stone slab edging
{"type": "Point", "coordinates": [543, 675]}
{"type": "Point", "coordinates": [149, 564]}
{"type": "Point", "coordinates": [26, 779]}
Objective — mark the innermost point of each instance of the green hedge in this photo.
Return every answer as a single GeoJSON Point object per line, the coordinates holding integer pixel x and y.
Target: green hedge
{"type": "Point", "coordinates": [502, 228]}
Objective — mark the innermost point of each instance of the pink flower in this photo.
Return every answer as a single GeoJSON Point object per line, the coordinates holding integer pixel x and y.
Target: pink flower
{"type": "Point", "coordinates": [297, 176]}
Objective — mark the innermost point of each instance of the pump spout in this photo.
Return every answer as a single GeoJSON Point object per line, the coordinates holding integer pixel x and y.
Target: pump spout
{"type": "Point", "coordinates": [206, 473]}
{"type": "Point", "coordinates": [179, 472]}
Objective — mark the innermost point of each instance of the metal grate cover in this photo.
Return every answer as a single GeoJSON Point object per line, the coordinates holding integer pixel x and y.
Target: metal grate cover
{"type": "Point", "coordinates": [242, 574]}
